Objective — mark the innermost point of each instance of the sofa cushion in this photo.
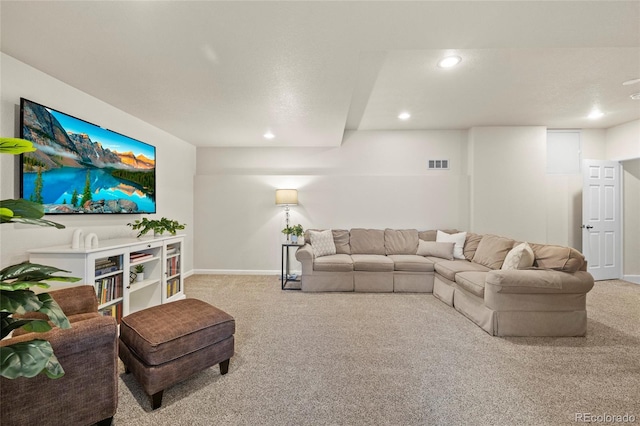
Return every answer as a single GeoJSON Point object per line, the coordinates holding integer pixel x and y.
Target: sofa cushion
{"type": "Point", "coordinates": [367, 241]}
{"type": "Point", "coordinates": [341, 240]}
{"type": "Point", "coordinates": [559, 258]}
{"type": "Point", "coordinates": [433, 248]}
{"type": "Point", "coordinates": [400, 241]}
{"type": "Point", "coordinates": [411, 263]}
{"type": "Point", "coordinates": [471, 245]}
{"type": "Point", "coordinates": [492, 250]}
{"type": "Point", "coordinates": [519, 257]}
{"type": "Point", "coordinates": [334, 263]}
{"type": "Point", "coordinates": [531, 281]}
{"type": "Point", "coordinates": [431, 234]}
{"type": "Point", "coordinates": [458, 239]}
{"type": "Point", "coordinates": [322, 243]}
{"type": "Point", "coordinates": [372, 263]}
{"type": "Point", "coordinates": [449, 268]}
{"type": "Point", "coordinates": [472, 281]}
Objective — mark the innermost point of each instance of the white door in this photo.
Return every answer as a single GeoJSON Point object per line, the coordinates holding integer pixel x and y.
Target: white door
{"type": "Point", "coordinates": [602, 218]}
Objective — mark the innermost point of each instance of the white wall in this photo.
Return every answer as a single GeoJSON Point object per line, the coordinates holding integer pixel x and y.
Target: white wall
{"type": "Point", "coordinates": [376, 179]}
{"type": "Point", "coordinates": [623, 142]}
{"type": "Point", "coordinates": [511, 192]}
{"type": "Point", "coordinates": [175, 163]}
{"type": "Point", "coordinates": [631, 224]}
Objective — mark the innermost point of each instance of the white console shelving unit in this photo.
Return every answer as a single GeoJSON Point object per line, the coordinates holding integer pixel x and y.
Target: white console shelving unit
{"type": "Point", "coordinates": [110, 267]}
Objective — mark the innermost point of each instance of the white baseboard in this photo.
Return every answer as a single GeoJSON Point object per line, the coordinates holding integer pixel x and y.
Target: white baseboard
{"type": "Point", "coordinates": [632, 278]}
{"type": "Point", "coordinates": [241, 272]}
{"type": "Point", "coordinates": [188, 273]}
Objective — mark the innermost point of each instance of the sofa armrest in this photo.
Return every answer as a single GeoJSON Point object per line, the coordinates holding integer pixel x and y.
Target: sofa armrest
{"type": "Point", "coordinates": [88, 391]}
{"type": "Point", "coordinates": [304, 253]}
{"type": "Point", "coordinates": [538, 281]}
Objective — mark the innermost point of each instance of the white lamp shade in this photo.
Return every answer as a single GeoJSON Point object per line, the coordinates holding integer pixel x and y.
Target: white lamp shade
{"type": "Point", "coordinates": [286, 197]}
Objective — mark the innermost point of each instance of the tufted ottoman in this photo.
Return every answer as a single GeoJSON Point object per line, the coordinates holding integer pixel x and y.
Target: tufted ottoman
{"type": "Point", "coordinates": [165, 344]}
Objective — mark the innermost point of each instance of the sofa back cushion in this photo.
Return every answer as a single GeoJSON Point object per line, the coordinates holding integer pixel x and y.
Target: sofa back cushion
{"type": "Point", "coordinates": [367, 241]}
{"type": "Point", "coordinates": [341, 240]}
{"type": "Point", "coordinates": [559, 258]}
{"type": "Point", "coordinates": [432, 234]}
{"type": "Point", "coordinates": [400, 241]}
{"type": "Point", "coordinates": [471, 245]}
{"type": "Point", "coordinates": [492, 250]}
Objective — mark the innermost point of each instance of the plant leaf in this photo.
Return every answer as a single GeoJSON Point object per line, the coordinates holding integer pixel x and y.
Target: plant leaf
{"type": "Point", "coordinates": [51, 308]}
{"type": "Point", "coordinates": [19, 302]}
{"type": "Point", "coordinates": [37, 325]}
{"type": "Point", "coordinates": [21, 285]}
{"type": "Point", "coordinates": [15, 146]}
{"type": "Point", "coordinates": [28, 359]}
{"type": "Point", "coordinates": [25, 211]}
{"type": "Point", "coordinates": [27, 271]}
{"type": "Point", "coordinates": [23, 208]}
{"type": "Point", "coordinates": [8, 324]}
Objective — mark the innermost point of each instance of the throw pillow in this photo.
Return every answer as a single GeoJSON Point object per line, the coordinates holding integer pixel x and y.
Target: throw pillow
{"type": "Point", "coordinates": [492, 250]}
{"type": "Point", "coordinates": [458, 239]}
{"type": "Point", "coordinates": [520, 257]}
{"type": "Point", "coordinates": [432, 248]}
{"type": "Point", "coordinates": [322, 243]}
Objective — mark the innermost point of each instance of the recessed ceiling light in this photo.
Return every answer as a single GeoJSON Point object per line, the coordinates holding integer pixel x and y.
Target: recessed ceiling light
{"type": "Point", "coordinates": [404, 116]}
{"type": "Point", "coordinates": [595, 114]}
{"type": "Point", "coordinates": [629, 82]}
{"type": "Point", "coordinates": [449, 61]}
{"type": "Point", "coordinates": [635, 96]}
{"type": "Point", "coordinates": [269, 135]}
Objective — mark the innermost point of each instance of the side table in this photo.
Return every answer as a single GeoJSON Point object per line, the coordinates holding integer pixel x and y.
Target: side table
{"type": "Point", "coordinates": [285, 275]}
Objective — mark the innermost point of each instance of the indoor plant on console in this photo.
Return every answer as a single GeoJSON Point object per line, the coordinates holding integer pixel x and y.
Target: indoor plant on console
{"type": "Point", "coordinates": [157, 226]}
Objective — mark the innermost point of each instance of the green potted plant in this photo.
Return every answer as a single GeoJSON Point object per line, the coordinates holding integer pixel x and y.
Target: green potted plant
{"type": "Point", "coordinates": [157, 226]}
{"type": "Point", "coordinates": [27, 359]}
{"type": "Point", "coordinates": [139, 272]}
{"type": "Point", "coordinates": [295, 231]}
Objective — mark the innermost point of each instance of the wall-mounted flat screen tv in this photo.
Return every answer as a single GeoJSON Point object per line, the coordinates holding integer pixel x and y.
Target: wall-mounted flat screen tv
{"type": "Point", "coordinates": [79, 167]}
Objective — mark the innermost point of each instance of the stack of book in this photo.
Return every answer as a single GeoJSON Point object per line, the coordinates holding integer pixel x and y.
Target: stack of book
{"type": "Point", "coordinates": [138, 256]}
{"type": "Point", "coordinates": [113, 311]}
{"type": "Point", "coordinates": [108, 289]}
{"type": "Point", "coordinates": [107, 265]}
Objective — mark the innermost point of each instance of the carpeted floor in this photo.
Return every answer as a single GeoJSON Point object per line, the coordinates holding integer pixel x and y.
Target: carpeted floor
{"type": "Point", "coordinates": [396, 359]}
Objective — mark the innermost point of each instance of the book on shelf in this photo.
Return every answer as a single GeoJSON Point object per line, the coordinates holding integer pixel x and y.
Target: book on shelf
{"type": "Point", "coordinates": [138, 256]}
{"type": "Point", "coordinates": [173, 266]}
{"type": "Point", "coordinates": [173, 287]}
{"type": "Point", "coordinates": [108, 289]}
{"type": "Point", "coordinates": [113, 311]}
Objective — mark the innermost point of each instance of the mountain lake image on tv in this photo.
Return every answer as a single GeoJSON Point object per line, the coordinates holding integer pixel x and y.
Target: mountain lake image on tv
{"type": "Point", "coordinates": [79, 167]}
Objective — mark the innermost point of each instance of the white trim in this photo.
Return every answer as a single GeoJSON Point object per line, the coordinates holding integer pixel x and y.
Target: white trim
{"type": "Point", "coordinates": [188, 273]}
{"type": "Point", "coordinates": [240, 272]}
{"type": "Point", "coordinates": [632, 278]}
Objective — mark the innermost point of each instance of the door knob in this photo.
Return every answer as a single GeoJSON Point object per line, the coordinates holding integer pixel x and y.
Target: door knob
{"type": "Point", "coordinates": [587, 227]}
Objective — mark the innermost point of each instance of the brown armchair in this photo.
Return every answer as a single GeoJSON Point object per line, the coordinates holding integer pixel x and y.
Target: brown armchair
{"type": "Point", "coordinates": [88, 352]}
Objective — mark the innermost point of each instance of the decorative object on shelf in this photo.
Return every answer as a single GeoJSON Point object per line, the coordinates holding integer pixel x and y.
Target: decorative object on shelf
{"type": "Point", "coordinates": [286, 198]}
{"type": "Point", "coordinates": [157, 226]}
{"type": "Point", "coordinates": [139, 272]}
{"type": "Point", "coordinates": [75, 240]}
{"type": "Point", "coordinates": [91, 241]}
{"type": "Point", "coordinates": [28, 359]}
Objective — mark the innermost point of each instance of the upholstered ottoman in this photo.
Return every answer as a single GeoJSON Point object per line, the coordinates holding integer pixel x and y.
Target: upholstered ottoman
{"type": "Point", "coordinates": [165, 344]}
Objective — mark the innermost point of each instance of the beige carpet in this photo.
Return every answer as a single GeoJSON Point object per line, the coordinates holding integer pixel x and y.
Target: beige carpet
{"type": "Point", "coordinates": [396, 359]}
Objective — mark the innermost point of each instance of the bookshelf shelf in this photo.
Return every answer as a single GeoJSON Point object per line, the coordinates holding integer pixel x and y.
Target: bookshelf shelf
{"type": "Point", "coordinates": [111, 268]}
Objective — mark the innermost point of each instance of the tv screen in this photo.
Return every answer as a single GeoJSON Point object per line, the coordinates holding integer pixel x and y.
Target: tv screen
{"type": "Point", "coordinates": [79, 167]}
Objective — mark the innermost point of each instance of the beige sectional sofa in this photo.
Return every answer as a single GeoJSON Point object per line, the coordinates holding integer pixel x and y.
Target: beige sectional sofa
{"type": "Point", "coordinates": [546, 297]}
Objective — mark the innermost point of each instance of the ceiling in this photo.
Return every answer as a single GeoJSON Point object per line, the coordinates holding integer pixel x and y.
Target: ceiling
{"type": "Point", "coordinates": [225, 73]}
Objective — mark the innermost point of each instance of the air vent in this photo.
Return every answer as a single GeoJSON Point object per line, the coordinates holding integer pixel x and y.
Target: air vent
{"type": "Point", "coordinates": [438, 164]}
